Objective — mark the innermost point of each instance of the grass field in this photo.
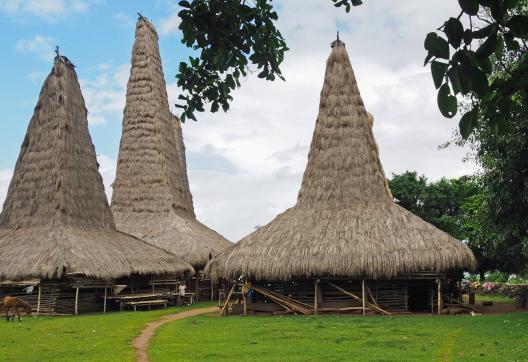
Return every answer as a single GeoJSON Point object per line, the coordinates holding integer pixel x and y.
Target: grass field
{"type": "Point", "coordinates": [92, 337]}
{"type": "Point", "coordinates": [324, 338]}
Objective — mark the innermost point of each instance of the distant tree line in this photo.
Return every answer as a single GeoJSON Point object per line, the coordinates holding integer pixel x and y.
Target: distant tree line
{"type": "Point", "coordinates": [465, 208]}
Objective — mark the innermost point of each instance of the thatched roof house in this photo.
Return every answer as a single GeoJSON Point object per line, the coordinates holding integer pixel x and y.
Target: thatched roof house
{"type": "Point", "coordinates": [345, 222]}
{"type": "Point", "coordinates": [56, 219]}
{"type": "Point", "coordinates": [151, 196]}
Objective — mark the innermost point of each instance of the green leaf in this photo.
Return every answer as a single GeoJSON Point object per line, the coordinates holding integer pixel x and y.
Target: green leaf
{"type": "Point", "coordinates": [447, 103]}
{"type": "Point", "coordinates": [468, 122]}
{"type": "Point", "coordinates": [454, 78]}
{"type": "Point", "coordinates": [470, 7]}
{"type": "Point", "coordinates": [510, 42]}
{"type": "Point", "coordinates": [428, 58]}
{"type": "Point", "coordinates": [184, 4]}
{"type": "Point", "coordinates": [488, 47]}
{"type": "Point", "coordinates": [468, 36]}
{"type": "Point", "coordinates": [454, 31]}
{"type": "Point", "coordinates": [479, 81]}
{"type": "Point", "coordinates": [484, 32]}
{"type": "Point", "coordinates": [438, 71]}
{"type": "Point", "coordinates": [436, 45]}
{"type": "Point", "coordinates": [510, 4]}
{"type": "Point", "coordinates": [518, 25]}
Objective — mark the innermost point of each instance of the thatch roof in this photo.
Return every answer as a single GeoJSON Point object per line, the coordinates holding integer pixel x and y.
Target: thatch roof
{"type": "Point", "coordinates": [56, 219]}
{"type": "Point", "coordinates": [151, 197]}
{"type": "Point", "coordinates": [345, 223]}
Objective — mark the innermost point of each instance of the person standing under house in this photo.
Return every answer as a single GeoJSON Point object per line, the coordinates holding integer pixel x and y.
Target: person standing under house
{"type": "Point", "coordinates": [181, 292]}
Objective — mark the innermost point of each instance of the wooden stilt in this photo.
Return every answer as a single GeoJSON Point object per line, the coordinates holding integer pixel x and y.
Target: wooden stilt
{"type": "Point", "coordinates": [38, 300]}
{"type": "Point", "coordinates": [245, 303]}
{"type": "Point", "coordinates": [317, 296]}
{"type": "Point", "coordinates": [197, 296]}
{"type": "Point", "coordinates": [440, 297]}
{"type": "Point", "coordinates": [363, 295]}
{"type": "Point", "coordinates": [77, 301]}
{"type": "Point", "coordinates": [212, 290]}
{"type": "Point", "coordinates": [104, 302]}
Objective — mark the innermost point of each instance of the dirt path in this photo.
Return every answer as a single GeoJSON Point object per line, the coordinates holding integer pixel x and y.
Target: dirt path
{"type": "Point", "coordinates": [141, 342]}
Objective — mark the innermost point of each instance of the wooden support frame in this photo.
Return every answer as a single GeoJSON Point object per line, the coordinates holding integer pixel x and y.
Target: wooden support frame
{"type": "Point", "coordinates": [370, 305]}
{"type": "Point", "coordinates": [225, 307]}
{"type": "Point", "coordinates": [196, 284]}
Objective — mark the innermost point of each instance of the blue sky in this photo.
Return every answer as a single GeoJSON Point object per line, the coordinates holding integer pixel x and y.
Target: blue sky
{"type": "Point", "coordinates": [246, 165]}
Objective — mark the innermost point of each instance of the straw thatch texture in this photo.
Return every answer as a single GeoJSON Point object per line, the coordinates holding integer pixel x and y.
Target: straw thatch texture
{"type": "Point", "coordinates": [151, 196]}
{"type": "Point", "coordinates": [345, 223]}
{"type": "Point", "coordinates": [56, 218]}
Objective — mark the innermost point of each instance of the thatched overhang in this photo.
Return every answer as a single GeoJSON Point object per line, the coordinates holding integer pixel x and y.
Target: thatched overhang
{"type": "Point", "coordinates": [345, 222]}
{"type": "Point", "coordinates": [56, 219]}
{"type": "Point", "coordinates": [151, 197]}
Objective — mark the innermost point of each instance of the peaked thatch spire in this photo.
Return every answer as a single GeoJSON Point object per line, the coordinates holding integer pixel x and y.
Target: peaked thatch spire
{"type": "Point", "coordinates": [56, 218]}
{"type": "Point", "coordinates": [345, 222]}
{"type": "Point", "coordinates": [151, 197]}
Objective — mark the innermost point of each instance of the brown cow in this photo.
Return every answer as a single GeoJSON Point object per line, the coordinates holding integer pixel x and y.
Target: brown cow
{"type": "Point", "coordinates": [15, 303]}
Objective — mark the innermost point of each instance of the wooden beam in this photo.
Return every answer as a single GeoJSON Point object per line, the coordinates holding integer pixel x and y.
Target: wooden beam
{"type": "Point", "coordinates": [227, 300]}
{"type": "Point", "coordinates": [370, 305]}
{"type": "Point", "coordinates": [196, 283]}
{"type": "Point", "coordinates": [77, 301]}
{"type": "Point", "coordinates": [371, 295]}
{"type": "Point", "coordinates": [212, 290]}
{"type": "Point", "coordinates": [38, 300]}
{"type": "Point", "coordinates": [363, 295]}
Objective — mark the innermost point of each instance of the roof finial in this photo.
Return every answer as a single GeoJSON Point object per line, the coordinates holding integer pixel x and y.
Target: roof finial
{"type": "Point", "coordinates": [57, 50]}
{"type": "Point", "coordinates": [337, 42]}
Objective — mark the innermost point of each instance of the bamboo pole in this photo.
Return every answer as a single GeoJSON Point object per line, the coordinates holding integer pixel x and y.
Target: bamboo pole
{"type": "Point", "coordinates": [363, 295]}
{"type": "Point", "coordinates": [440, 296]}
{"type": "Point", "coordinates": [104, 302]}
{"type": "Point", "coordinates": [371, 296]}
{"type": "Point", "coordinates": [227, 300]}
{"type": "Point", "coordinates": [197, 298]}
{"type": "Point", "coordinates": [77, 301]}
{"type": "Point", "coordinates": [38, 300]}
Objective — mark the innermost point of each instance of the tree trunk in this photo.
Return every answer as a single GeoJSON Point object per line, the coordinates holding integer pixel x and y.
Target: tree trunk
{"type": "Point", "coordinates": [482, 276]}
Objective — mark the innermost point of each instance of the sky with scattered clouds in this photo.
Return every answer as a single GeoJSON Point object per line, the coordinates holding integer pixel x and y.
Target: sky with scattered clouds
{"type": "Point", "coordinates": [245, 166]}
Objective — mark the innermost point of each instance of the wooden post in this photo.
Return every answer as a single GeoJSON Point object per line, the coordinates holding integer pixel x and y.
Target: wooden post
{"type": "Point", "coordinates": [197, 299]}
{"type": "Point", "coordinates": [317, 292]}
{"type": "Point", "coordinates": [212, 290]}
{"type": "Point", "coordinates": [244, 298]}
{"type": "Point", "coordinates": [363, 295]}
{"type": "Point", "coordinates": [38, 300]}
{"type": "Point", "coordinates": [77, 301]}
{"type": "Point", "coordinates": [104, 302]}
{"type": "Point", "coordinates": [440, 297]}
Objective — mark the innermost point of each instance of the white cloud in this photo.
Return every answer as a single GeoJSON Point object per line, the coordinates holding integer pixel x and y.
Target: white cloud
{"type": "Point", "coordinates": [40, 45]}
{"type": "Point", "coordinates": [107, 169]}
{"type": "Point", "coordinates": [5, 179]}
{"type": "Point", "coordinates": [123, 19]}
{"type": "Point", "coordinates": [47, 10]}
{"type": "Point", "coordinates": [105, 94]}
{"type": "Point", "coordinates": [169, 24]}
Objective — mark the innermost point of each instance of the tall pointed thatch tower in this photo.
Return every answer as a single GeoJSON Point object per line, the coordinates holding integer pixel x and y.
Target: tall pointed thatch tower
{"type": "Point", "coordinates": [56, 220]}
{"type": "Point", "coordinates": [345, 223]}
{"type": "Point", "coordinates": [151, 196]}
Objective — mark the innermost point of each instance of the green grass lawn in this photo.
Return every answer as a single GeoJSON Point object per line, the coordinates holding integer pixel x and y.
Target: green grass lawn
{"type": "Point", "coordinates": [323, 338]}
{"type": "Point", "coordinates": [493, 298]}
{"type": "Point", "coordinates": [91, 337]}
